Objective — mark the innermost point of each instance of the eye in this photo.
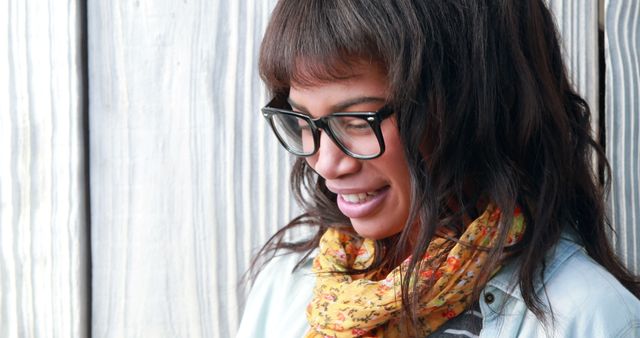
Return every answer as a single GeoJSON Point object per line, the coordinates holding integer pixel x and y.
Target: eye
{"type": "Point", "coordinates": [351, 126]}
{"type": "Point", "coordinates": [357, 124]}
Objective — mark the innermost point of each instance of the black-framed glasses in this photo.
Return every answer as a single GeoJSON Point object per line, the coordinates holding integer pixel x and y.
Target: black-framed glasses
{"type": "Point", "coordinates": [357, 134]}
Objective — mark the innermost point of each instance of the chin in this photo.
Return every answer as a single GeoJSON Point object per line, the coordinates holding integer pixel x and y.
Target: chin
{"type": "Point", "coordinates": [373, 230]}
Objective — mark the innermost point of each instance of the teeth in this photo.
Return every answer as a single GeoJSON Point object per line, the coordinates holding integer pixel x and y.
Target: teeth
{"type": "Point", "coordinates": [358, 198]}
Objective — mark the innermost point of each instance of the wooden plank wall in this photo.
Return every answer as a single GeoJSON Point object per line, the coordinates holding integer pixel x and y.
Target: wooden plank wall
{"type": "Point", "coordinates": [186, 180]}
{"type": "Point", "coordinates": [44, 256]}
{"type": "Point", "coordinates": [622, 108]}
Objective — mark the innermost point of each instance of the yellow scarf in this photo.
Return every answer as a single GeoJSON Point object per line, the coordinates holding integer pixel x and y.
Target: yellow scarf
{"type": "Point", "coordinates": [350, 306]}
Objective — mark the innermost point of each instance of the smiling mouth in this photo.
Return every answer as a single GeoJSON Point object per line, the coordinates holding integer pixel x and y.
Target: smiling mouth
{"type": "Point", "coordinates": [359, 198]}
{"type": "Point", "coordinates": [362, 204]}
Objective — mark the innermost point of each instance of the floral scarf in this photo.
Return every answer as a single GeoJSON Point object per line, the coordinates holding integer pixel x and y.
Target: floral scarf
{"type": "Point", "coordinates": [362, 306]}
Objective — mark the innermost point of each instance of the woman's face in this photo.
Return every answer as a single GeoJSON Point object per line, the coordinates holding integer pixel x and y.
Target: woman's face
{"type": "Point", "coordinates": [374, 194]}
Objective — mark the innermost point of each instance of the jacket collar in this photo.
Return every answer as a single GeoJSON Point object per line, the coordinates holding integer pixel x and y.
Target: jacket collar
{"type": "Point", "coordinates": [506, 279]}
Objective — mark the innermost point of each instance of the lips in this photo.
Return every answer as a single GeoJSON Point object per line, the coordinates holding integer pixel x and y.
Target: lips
{"type": "Point", "coordinates": [361, 204]}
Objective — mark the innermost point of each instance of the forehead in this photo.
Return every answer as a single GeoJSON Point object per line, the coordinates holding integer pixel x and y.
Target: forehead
{"type": "Point", "coordinates": [363, 87]}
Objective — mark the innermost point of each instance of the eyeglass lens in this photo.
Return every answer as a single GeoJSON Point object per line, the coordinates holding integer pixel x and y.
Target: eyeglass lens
{"type": "Point", "coordinates": [353, 133]}
{"type": "Point", "coordinates": [295, 132]}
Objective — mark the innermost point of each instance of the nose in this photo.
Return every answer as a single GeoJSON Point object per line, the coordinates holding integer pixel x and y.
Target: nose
{"type": "Point", "coordinates": [331, 162]}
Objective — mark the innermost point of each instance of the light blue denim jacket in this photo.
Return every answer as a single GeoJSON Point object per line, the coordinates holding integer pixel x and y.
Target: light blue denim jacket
{"type": "Point", "coordinates": [585, 299]}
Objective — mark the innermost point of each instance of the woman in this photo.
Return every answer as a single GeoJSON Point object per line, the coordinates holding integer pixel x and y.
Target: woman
{"type": "Point", "coordinates": [445, 172]}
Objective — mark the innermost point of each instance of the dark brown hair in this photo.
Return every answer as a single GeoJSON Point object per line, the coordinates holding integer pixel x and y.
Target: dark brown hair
{"type": "Point", "coordinates": [482, 99]}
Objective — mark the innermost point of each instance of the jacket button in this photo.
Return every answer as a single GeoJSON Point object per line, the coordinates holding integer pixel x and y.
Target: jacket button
{"type": "Point", "coordinates": [489, 298]}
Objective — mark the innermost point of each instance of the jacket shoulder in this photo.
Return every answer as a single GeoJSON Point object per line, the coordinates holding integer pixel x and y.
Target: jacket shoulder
{"type": "Point", "coordinates": [277, 302]}
{"type": "Point", "coordinates": [581, 299]}
{"type": "Point", "coordinates": [585, 298]}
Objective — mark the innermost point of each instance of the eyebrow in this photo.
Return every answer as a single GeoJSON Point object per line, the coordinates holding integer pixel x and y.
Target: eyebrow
{"type": "Point", "coordinates": [341, 106]}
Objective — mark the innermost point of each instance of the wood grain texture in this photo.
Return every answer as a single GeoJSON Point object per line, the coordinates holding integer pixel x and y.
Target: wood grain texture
{"type": "Point", "coordinates": [622, 101]}
{"type": "Point", "coordinates": [186, 180]}
{"type": "Point", "coordinates": [43, 222]}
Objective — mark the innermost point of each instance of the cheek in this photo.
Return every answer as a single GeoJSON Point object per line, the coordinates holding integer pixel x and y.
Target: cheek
{"type": "Point", "coordinates": [394, 159]}
{"type": "Point", "coordinates": [394, 166]}
{"type": "Point", "coordinates": [401, 182]}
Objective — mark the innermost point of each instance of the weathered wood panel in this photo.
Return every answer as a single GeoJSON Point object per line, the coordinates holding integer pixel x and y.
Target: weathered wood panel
{"type": "Point", "coordinates": [43, 223]}
{"type": "Point", "coordinates": [622, 101]}
{"type": "Point", "coordinates": [186, 181]}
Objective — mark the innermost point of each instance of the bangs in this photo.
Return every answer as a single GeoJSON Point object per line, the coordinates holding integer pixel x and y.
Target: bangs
{"type": "Point", "coordinates": [314, 41]}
